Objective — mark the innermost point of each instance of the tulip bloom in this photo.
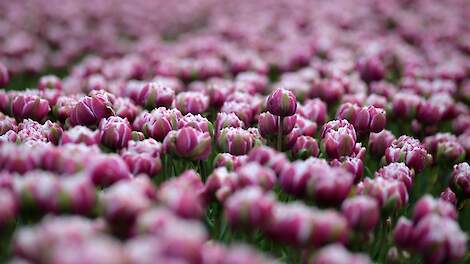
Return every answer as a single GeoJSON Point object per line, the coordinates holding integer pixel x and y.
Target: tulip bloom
{"type": "Point", "coordinates": [188, 143]}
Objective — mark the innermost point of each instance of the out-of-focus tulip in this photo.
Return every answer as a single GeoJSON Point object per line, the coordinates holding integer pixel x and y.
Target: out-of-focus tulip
{"type": "Point", "coordinates": [125, 108]}
{"type": "Point", "coordinates": [254, 174]}
{"type": "Point", "coordinates": [7, 124]}
{"type": "Point", "coordinates": [403, 232]}
{"type": "Point", "coordinates": [390, 194]}
{"type": "Point", "coordinates": [105, 170]}
{"type": "Point", "coordinates": [4, 76]}
{"type": "Point", "coordinates": [78, 194]}
{"type": "Point", "coordinates": [196, 121]}
{"type": "Point", "coordinates": [460, 180]}
{"type": "Point", "coordinates": [397, 171]}
{"type": "Point", "coordinates": [371, 68]}
{"type": "Point", "coordinates": [155, 94]}
{"type": "Point", "coordinates": [379, 142]}
{"type": "Point", "coordinates": [29, 106]}
{"type": "Point", "coordinates": [362, 212]}
{"type": "Point", "coordinates": [404, 105]}
{"type": "Point", "coordinates": [51, 82]}
{"type": "Point", "coordinates": [9, 208]}
{"type": "Point", "coordinates": [249, 207]}
{"type": "Point", "coordinates": [352, 164]}
{"type": "Point", "coordinates": [428, 205]}
{"type": "Point", "coordinates": [314, 110]}
{"type": "Point", "coordinates": [79, 134]}
{"type": "Point", "coordinates": [337, 254]}
{"type": "Point", "coordinates": [449, 196]}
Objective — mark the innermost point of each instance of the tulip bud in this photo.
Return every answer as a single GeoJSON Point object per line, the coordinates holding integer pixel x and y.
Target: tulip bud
{"type": "Point", "coordinates": [188, 143]}
{"type": "Point", "coordinates": [220, 184]}
{"type": "Point", "coordinates": [409, 150]}
{"type": "Point", "coordinates": [249, 207]}
{"type": "Point", "coordinates": [29, 106]}
{"type": "Point", "coordinates": [351, 164]}
{"type": "Point", "coordinates": [362, 213]}
{"type": "Point", "coordinates": [371, 68]}
{"type": "Point", "coordinates": [439, 239]}
{"type": "Point", "coordinates": [305, 147]}
{"type": "Point", "coordinates": [7, 124]}
{"type": "Point", "coordinates": [242, 109]}
{"type": "Point", "coordinates": [449, 196]}
{"type": "Point", "coordinates": [379, 142]}
{"type": "Point", "coordinates": [51, 82]}
{"type": "Point", "coordinates": [196, 121]}
{"type": "Point", "coordinates": [4, 76]}
{"type": "Point", "coordinates": [78, 194]}
{"type": "Point", "coordinates": [155, 94]}
{"type": "Point", "coordinates": [39, 190]}
{"type": "Point", "coordinates": [107, 169]}
{"type": "Point", "coordinates": [115, 132]}
{"type": "Point", "coordinates": [404, 105]}
{"type": "Point", "coordinates": [79, 134]}
{"type": "Point", "coordinates": [336, 254]}
{"type": "Point", "coordinates": [307, 127]}
{"type": "Point", "coordinates": [235, 141]}
{"type": "Point", "coordinates": [125, 108]}
{"type": "Point", "coordinates": [182, 195]}
{"type": "Point", "coordinates": [460, 180]}
{"type": "Point", "coordinates": [403, 233]}
{"type": "Point", "coordinates": [338, 138]}
{"type": "Point", "coordinates": [224, 120]}
{"type": "Point", "coordinates": [390, 194]}
{"type": "Point", "coordinates": [429, 113]}
{"type": "Point", "coordinates": [120, 211]}
{"type": "Point", "coordinates": [254, 174]}
{"type": "Point", "coordinates": [428, 205]}
{"type": "Point", "coordinates": [143, 156]}
{"type": "Point", "coordinates": [397, 171]}
{"type": "Point", "coordinates": [269, 124]}
{"type": "Point", "coordinates": [9, 208]}
{"type": "Point", "coordinates": [192, 102]}
{"type": "Point", "coordinates": [90, 110]}
{"type": "Point", "coordinates": [314, 110]}
{"type": "Point", "coordinates": [282, 103]}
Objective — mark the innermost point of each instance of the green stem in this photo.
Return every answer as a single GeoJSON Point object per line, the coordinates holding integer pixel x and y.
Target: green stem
{"type": "Point", "coordinates": [279, 133]}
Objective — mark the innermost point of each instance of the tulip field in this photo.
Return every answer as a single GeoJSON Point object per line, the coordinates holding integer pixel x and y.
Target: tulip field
{"type": "Point", "coordinates": [234, 132]}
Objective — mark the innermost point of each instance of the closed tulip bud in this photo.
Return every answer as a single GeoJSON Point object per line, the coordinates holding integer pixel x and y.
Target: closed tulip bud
{"type": "Point", "coordinates": [428, 205]}
{"type": "Point", "coordinates": [78, 194]}
{"type": "Point", "coordinates": [154, 124]}
{"type": "Point", "coordinates": [155, 94]}
{"type": "Point", "coordinates": [198, 122]}
{"type": "Point", "coordinates": [125, 108]}
{"type": "Point", "coordinates": [269, 123]}
{"type": "Point", "coordinates": [249, 207]}
{"type": "Point", "coordinates": [79, 134]}
{"type": "Point", "coordinates": [379, 142]}
{"type": "Point", "coordinates": [115, 132]}
{"type": "Point", "coordinates": [305, 147]}
{"type": "Point", "coordinates": [282, 103]}
{"type": "Point", "coordinates": [439, 239]}
{"type": "Point", "coordinates": [371, 68]}
{"type": "Point", "coordinates": [89, 111]}
{"type": "Point", "coordinates": [429, 113]}
{"type": "Point", "coordinates": [120, 211]}
{"type": "Point", "coordinates": [338, 138]}
{"type": "Point", "coordinates": [8, 209]}
{"type": "Point", "coordinates": [314, 110]}
{"type": "Point", "coordinates": [330, 90]}
{"type": "Point", "coordinates": [188, 143]}
{"type": "Point", "coordinates": [29, 106]}
{"type": "Point", "coordinates": [7, 124]}
{"type": "Point", "coordinates": [183, 195]}
{"type": "Point", "coordinates": [105, 170]}
{"type": "Point", "coordinates": [449, 196]}
{"type": "Point", "coordinates": [460, 180]}
{"type": "Point", "coordinates": [361, 212]}
{"type": "Point", "coordinates": [254, 174]}
{"type": "Point", "coordinates": [397, 171]}
{"type": "Point", "coordinates": [352, 164]}
{"type": "Point", "coordinates": [408, 150]}
{"type": "Point", "coordinates": [405, 105]}
{"type": "Point", "coordinates": [337, 254]}
{"type": "Point", "coordinates": [235, 141]}
{"type": "Point", "coordinates": [4, 76]}
{"type": "Point", "coordinates": [390, 194]}
{"type": "Point", "coordinates": [192, 102]}
{"type": "Point", "coordinates": [50, 82]}
{"type": "Point", "coordinates": [403, 233]}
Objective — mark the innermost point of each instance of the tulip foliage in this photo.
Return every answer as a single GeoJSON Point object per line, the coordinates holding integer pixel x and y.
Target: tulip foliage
{"type": "Point", "coordinates": [234, 132]}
